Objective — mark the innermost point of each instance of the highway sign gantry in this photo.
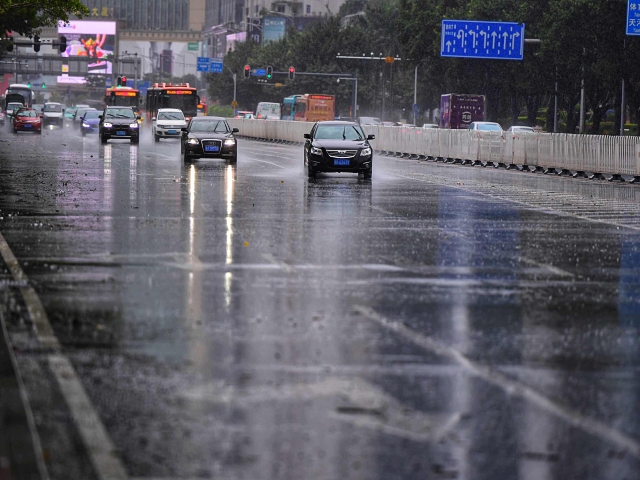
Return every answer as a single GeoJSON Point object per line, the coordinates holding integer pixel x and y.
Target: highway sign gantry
{"type": "Point", "coordinates": [488, 40]}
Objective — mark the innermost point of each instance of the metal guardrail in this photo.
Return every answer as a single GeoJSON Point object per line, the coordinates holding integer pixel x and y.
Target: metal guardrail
{"type": "Point", "coordinates": [560, 153]}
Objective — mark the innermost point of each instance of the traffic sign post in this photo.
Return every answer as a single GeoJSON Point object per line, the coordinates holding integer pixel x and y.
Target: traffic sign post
{"type": "Point", "coordinates": [633, 17]}
{"type": "Point", "coordinates": [488, 40]}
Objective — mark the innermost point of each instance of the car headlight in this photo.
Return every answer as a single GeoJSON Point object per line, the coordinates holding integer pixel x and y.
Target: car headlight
{"type": "Point", "coordinates": [107, 125]}
{"type": "Point", "coordinates": [86, 125]}
{"type": "Point", "coordinates": [133, 125]}
{"type": "Point", "coordinates": [230, 142]}
{"type": "Point", "coordinates": [365, 152]}
{"type": "Point", "coordinates": [193, 141]}
{"type": "Point", "coordinates": [316, 151]}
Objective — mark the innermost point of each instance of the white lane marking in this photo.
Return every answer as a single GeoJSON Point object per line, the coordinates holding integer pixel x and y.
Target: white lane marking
{"type": "Point", "coordinates": [99, 446]}
{"type": "Point", "coordinates": [93, 434]}
{"type": "Point", "coordinates": [264, 161]}
{"type": "Point", "coordinates": [284, 265]}
{"type": "Point", "coordinates": [552, 207]}
{"type": "Point", "coordinates": [36, 311]}
{"type": "Point", "coordinates": [509, 386]}
{"type": "Point", "coordinates": [555, 270]}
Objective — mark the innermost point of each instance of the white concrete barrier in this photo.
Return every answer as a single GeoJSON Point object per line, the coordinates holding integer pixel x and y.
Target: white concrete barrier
{"type": "Point", "coordinates": [579, 153]}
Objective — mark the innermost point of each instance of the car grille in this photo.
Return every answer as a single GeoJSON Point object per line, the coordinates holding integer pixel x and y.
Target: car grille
{"type": "Point", "coordinates": [342, 153]}
{"type": "Point", "coordinates": [212, 142]}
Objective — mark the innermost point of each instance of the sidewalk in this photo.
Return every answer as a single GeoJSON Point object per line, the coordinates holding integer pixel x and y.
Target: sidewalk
{"type": "Point", "coordinates": [18, 439]}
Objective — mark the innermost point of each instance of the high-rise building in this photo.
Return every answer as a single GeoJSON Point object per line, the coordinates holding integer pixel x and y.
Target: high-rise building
{"type": "Point", "coordinates": [142, 14]}
{"type": "Point", "coordinates": [222, 18]}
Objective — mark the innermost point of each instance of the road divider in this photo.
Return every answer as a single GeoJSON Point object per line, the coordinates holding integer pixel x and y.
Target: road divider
{"type": "Point", "coordinates": [592, 156]}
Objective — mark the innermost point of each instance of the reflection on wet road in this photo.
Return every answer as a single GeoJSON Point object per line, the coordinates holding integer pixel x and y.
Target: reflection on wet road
{"type": "Point", "coordinates": [242, 321]}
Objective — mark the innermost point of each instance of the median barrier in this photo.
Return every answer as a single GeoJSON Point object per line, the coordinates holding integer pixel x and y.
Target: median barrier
{"type": "Point", "coordinates": [549, 152]}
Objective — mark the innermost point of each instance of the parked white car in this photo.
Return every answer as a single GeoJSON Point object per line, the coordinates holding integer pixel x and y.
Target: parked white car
{"type": "Point", "coordinates": [485, 126]}
{"type": "Point", "coordinates": [168, 123]}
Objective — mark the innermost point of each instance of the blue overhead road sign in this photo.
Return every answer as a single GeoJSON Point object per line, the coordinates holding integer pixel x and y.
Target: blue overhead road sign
{"type": "Point", "coordinates": [489, 40]}
{"type": "Point", "coordinates": [206, 64]}
{"type": "Point", "coordinates": [633, 17]}
{"type": "Point", "coordinates": [258, 72]}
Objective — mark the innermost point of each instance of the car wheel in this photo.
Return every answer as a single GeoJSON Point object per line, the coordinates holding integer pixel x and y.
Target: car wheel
{"type": "Point", "coordinates": [233, 159]}
{"type": "Point", "coordinates": [15, 130]}
{"type": "Point", "coordinates": [367, 173]}
{"type": "Point", "coordinates": [311, 172]}
{"type": "Point", "coordinates": [156, 138]}
{"type": "Point", "coordinates": [186, 158]}
{"type": "Point", "coordinates": [103, 139]}
{"type": "Point", "coordinates": [135, 140]}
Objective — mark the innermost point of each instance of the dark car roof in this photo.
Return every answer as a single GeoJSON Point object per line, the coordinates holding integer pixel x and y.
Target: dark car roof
{"type": "Point", "coordinates": [338, 122]}
{"type": "Point", "coordinates": [204, 119]}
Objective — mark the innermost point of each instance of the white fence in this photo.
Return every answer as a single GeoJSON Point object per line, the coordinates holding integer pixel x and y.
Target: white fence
{"type": "Point", "coordinates": [581, 153]}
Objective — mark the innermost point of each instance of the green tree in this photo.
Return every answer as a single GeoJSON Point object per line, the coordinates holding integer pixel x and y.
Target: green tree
{"type": "Point", "coordinates": [26, 16]}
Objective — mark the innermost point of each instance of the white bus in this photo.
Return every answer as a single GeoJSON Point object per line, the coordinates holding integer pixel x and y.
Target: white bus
{"type": "Point", "coordinates": [268, 111]}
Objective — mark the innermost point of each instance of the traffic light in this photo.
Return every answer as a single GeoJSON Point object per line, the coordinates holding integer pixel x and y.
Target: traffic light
{"type": "Point", "coordinates": [119, 81]}
{"type": "Point", "coordinates": [124, 81]}
{"type": "Point", "coordinates": [10, 45]}
{"type": "Point", "coordinates": [292, 73]}
{"type": "Point", "coordinates": [247, 71]}
{"type": "Point", "coordinates": [63, 44]}
{"type": "Point", "coordinates": [36, 43]}
{"type": "Point", "coordinates": [44, 85]}
{"type": "Point", "coordinates": [29, 84]}
{"type": "Point", "coordinates": [269, 72]}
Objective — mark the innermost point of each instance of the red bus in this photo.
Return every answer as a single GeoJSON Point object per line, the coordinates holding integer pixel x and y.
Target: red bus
{"type": "Point", "coordinates": [312, 107]}
{"type": "Point", "coordinates": [123, 97]}
{"type": "Point", "coordinates": [166, 95]}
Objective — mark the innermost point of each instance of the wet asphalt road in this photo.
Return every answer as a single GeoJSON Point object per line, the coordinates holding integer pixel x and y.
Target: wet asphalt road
{"type": "Point", "coordinates": [243, 322]}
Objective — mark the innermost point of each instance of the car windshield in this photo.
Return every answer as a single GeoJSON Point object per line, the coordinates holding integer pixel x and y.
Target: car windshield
{"type": "Point", "coordinates": [27, 113]}
{"type": "Point", "coordinates": [523, 129]}
{"type": "Point", "coordinates": [53, 108]}
{"type": "Point", "coordinates": [91, 114]}
{"type": "Point", "coordinates": [119, 113]}
{"type": "Point", "coordinates": [170, 116]}
{"type": "Point", "coordinates": [14, 106]}
{"type": "Point", "coordinates": [339, 132]}
{"type": "Point", "coordinates": [216, 126]}
{"type": "Point", "coordinates": [490, 127]}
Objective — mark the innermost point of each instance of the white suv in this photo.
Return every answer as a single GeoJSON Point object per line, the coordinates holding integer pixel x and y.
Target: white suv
{"type": "Point", "coordinates": [53, 114]}
{"type": "Point", "coordinates": [168, 123]}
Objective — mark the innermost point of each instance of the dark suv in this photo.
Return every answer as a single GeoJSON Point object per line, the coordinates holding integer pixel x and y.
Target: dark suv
{"type": "Point", "coordinates": [119, 122]}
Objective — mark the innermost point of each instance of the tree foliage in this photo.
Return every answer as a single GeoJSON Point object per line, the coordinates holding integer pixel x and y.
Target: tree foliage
{"type": "Point", "coordinates": [26, 16]}
{"type": "Point", "coordinates": [580, 40]}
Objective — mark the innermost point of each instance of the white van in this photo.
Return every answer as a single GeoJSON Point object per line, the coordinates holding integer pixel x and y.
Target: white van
{"type": "Point", "coordinates": [268, 111]}
{"type": "Point", "coordinates": [53, 114]}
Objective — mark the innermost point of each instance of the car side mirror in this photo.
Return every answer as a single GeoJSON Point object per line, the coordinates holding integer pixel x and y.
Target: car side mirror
{"type": "Point", "coordinates": [41, 116]}
{"type": "Point", "coordinates": [138, 117]}
{"type": "Point", "coordinates": [184, 129]}
{"type": "Point", "coordinates": [100, 117]}
{"type": "Point", "coordinates": [235, 130]}
{"type": "Point", "coordinates": [307, 136]}
{"type": "Point", "coordinates": [153, 119]}
{"type": "Point", "coordinates": [371, 137]}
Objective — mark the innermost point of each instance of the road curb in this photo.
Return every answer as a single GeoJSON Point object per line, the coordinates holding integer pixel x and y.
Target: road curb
{"type": "Point", "coordinates": [20, 450]}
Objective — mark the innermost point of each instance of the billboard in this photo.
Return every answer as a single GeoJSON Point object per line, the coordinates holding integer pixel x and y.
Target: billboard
{"type": "Point", "coordinates": [273, 29]}
{"type": "Point", "coordinates": [85, 38]}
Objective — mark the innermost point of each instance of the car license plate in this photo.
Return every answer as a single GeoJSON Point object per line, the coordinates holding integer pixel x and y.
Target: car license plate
{"type": "Point", "coordinates": [211, 148]}
{"type": "Point", "coordinates": [339, 162]}
{"type": "Point", "coordinates": [27, 125]}
{"type": "Point", "coordinates": [121, 133]}
{"type": "Point", "coordinates": [172, 132]}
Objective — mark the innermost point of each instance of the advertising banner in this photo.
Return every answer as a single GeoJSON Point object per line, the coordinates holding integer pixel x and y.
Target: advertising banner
{"type": "Point", "coordinates": [273, 29]}
{"type": "Point", "coordinates": [92, 39]}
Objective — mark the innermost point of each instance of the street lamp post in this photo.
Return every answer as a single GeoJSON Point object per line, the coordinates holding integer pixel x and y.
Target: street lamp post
{"type": "Point", "coordinates": [135, 66]}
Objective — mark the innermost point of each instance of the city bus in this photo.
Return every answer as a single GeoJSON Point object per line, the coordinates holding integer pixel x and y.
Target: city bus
{"type": "Point", "coordinates": [313, 107]}
{"type": "Point", "coordinates": [289, 107]}
{"type": "Point", "coordinates": [20, 89]}
{"type": "Point", "coordinates": [123, 97]}
{"type": "Point", "coordinates": [166, 95]}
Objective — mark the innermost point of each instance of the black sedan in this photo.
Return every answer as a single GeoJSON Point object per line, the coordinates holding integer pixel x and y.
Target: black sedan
{"type": "Point", "coordinates": [209, 137]}
{"type": "Point", "coordinates": [119, 122]}
{"type": "Point", "coordinates": [338, 147]}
